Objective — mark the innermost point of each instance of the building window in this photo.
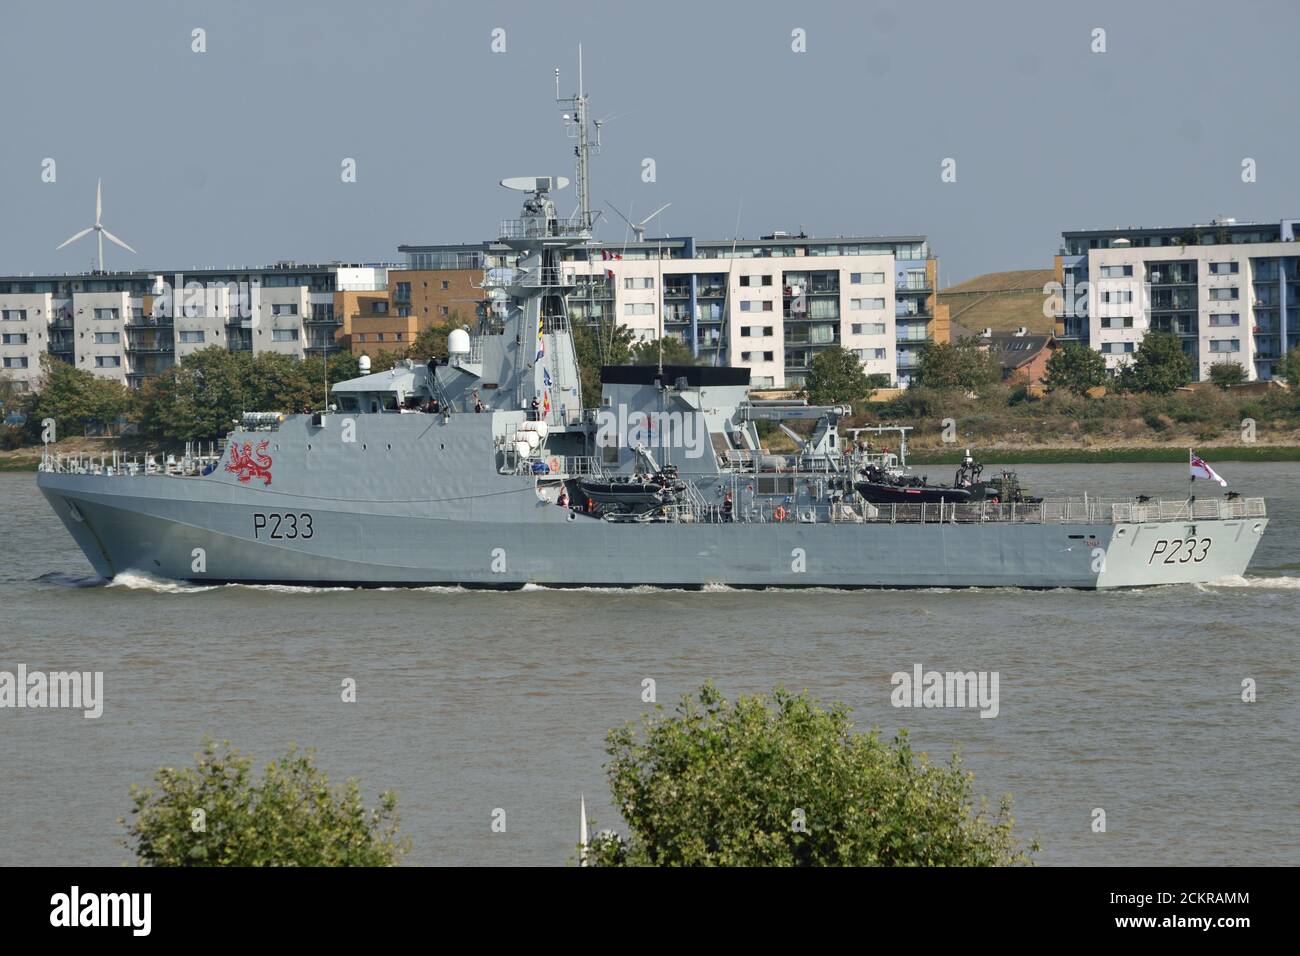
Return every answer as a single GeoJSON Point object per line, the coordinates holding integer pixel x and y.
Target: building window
{"type": "Point", "coordinates": [1223, 268]}
{"type": "Point", "coordinates": [1125, 322]}
{"type": "Point", "coordinates": [284, 335]}
{"type": "Point", "coordinates": [15, 362]}
{"type": "Point", "coordinates": [284, 308]}
{"type": "Point", "coordinates": [403, 311]}
{"type": "Point", "coordinates": [361, 336]}
{"type": "Point", "coordinates": [868, 328]}
{"type": "Point", "coordinates": [1116, 272]}
{"type": "Point", "coordinates": [639, 308]}
{"type": "Point", "coordinates": [1224, 295]}
{"type": "Point", "coordinates": [108, 338]}
{"type": "Point", "coordinates": [108, 361]}
{"type": "Point", "coordinates": [15, 338]}
{"type": "Point", "coordinates": [869, 355]}
{"type": "Point", "coordinates": [1124, 296]}
{"type": "Point", "coordinates": [859, 304]}
{"type": "Point", "coordinates": [866, 278]}
{"type": "Point", "coordinates": [15, 315]}
{"type": "Point", "coordinates": [638, 282]}
{"type": "Point", "coordinates": [190, 338]}
{"type": "Point", "coordinates": [446, 284]}
{"type": "Point", "coordinates": [379, 308]}
{"type": "Point", "coordinates": [1116, 348]}
{"type": "Point", "coordinates": [403, 293]}
{"type": "Point", "coordinates": [1225, 318]}
{"type": "Point", "coordinates": [106, 313]}
{"type": "Point", "coordinates": [1225, 345]}
{"type": "Point", "coordinates": [442, 310]}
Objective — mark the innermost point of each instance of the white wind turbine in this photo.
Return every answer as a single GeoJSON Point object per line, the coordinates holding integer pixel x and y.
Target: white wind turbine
{"type": "Point", "coordinates": [638, 228]}
{"type": "Point", "coordinates": [97, 228]}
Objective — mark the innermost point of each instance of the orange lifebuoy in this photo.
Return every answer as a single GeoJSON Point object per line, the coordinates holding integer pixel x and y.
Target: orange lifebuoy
{"type": "Point", "coordinates": [554, 465]}
{"type": "Point", "coordinates": [779, 513]}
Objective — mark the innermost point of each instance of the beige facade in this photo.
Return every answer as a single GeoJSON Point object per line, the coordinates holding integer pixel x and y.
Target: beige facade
{"type": "Point", "coordinates": [24, 337]}
{"type": "Point", "coordinates": [774, 312]}
{"type": "Point", "coordinates": [99, 336]}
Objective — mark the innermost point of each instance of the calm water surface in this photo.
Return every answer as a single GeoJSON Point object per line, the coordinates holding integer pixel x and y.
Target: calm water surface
{"type": "Point", "coordinates": [470, 701]}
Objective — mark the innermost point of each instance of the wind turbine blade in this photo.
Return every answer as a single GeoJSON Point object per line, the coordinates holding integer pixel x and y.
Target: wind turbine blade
{"type": "Point", "coordinates": [99, 199]}
{"type": "Point", "coordinates": [112, 238]}
{"type": "Point", "coordinates": [620, 214]}
{"type": "Point", "coordinates": [74, 238]}
{"type": "Point", "coordinates": [655, 213]}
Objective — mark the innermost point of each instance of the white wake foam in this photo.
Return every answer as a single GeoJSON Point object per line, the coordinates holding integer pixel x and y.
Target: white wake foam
{"type": "Point", "coordinates": [1281, 583]}
{"type": "Point", "coordinates": [141, 581]}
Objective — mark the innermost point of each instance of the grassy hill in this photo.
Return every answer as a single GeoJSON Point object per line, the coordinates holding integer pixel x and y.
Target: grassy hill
{"type": "Point", "coordinates": [1002, 301]}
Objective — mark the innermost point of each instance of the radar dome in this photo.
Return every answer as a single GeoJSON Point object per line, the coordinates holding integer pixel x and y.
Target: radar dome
{"type": "Point", "coordinates": [458, 342]}
{"type": "Point", "coordinates": [363, 365]}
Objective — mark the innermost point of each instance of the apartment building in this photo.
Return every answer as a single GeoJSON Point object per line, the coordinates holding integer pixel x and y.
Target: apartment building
{"type": "Point", "coordinates": [769, 305]}
{"type": "Point", "coordinates": [1230, 291]}
{"type": "Point", "coordinates": [129, 326]}
{"type": "Point", "coordinates": [440, 285]}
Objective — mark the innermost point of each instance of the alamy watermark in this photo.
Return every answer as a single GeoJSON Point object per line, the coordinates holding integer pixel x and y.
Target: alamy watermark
{"type": "Point", "coordinates": [622, 427]}
{"type": "Point", "coordinates": [922, 688]}
{"type": "Point", "coordinates": [75, 690]}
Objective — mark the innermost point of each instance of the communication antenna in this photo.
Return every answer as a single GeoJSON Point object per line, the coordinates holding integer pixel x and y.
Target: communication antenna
{"type": "Point", "coordinates": [577, 124]}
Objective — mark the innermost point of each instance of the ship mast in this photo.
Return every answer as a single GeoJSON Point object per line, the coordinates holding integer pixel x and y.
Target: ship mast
{"type": "Point", "coordinates": [576, 123]}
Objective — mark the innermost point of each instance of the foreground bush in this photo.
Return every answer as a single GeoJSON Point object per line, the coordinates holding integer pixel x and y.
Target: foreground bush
{"type": "Point", "coordinates": [215, 814]}
{"type": "Point", "coordinates": [786, 782]}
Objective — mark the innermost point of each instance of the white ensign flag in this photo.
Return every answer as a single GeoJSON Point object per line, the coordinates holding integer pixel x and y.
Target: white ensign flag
{"type": "Point", "coordinates": [1201, 470]}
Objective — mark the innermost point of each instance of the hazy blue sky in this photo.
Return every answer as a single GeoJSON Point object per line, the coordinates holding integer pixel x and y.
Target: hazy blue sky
{"type": "Point", "coordinates": [233, 155]}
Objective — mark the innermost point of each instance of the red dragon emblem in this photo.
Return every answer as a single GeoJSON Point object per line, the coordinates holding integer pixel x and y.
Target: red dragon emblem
{"type": "Point", "coordinates": [243, 465]}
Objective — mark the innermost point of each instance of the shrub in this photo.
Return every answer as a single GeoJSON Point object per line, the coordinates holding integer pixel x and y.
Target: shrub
{"type": "Point", "coordinates": [725, 784]}
{"type": "Point", "coordinates": [291, 817]}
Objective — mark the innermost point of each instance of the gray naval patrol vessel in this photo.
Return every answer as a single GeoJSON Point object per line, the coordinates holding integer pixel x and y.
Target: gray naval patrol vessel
{"type": "Point", "coordinates": [482, 469]}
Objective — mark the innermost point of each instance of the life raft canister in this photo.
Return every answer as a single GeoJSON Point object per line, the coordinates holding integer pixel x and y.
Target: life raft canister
{"type": "Point", "coordinates": [779, 513]}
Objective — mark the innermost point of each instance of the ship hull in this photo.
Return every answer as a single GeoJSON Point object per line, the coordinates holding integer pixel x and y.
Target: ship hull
{"type": "Point", "coordinates": [214, 531]}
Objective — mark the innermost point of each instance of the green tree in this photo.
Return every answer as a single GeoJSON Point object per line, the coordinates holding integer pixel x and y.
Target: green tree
{"type": "Point", "coordinates": [279, 383]}
{"type": "Point", "coordinates": [1159, 367]}
{"type": "Point", "coordinates": [724, 784]}
{"type": "Point", "coordinates": [675, 352]}
{"type": "Point", "coordinates": [76, 399]}
{"type": "Point", "coordinates": [836, 376]}
{"type": "Point", "coordinates": [1076, 368]}
{"type": "Point", "coordinates": [597, 344]}
{"type": "Point", "coordinates": [964, 366]}
{"type": "Point", "coordinates": [290, 817]}
{"type": "Point", "coordinates": [1224, 374]}
{"type": "Point", "coordinates": [341, 366]}
{"type": "Point", "coordinates": [199, 399]}
{"type": "Point", "coordinates": [1290, 368]}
